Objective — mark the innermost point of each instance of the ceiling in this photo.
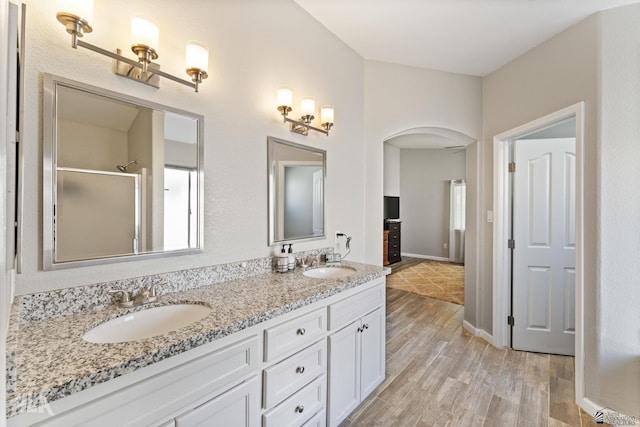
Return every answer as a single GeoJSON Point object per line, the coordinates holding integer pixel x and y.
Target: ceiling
{"type": "Point", "coordinates": [473, 37]}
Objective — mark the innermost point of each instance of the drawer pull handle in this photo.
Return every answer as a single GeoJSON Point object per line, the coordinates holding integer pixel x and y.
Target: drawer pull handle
{"type": "Point", "coordinates": [300, 370]}
{"type": "Point", "coordinates": [360, 329]}
{"type": "Point", "coordinates": [299, 409]}
{"type": "Point", "coordinates": [301, 331]}
{"type": "Point", "coordinates": [366, 326]}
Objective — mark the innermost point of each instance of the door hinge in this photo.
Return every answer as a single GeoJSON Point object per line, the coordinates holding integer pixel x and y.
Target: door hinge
{"type": "Point", "coordinates": [512, 166]}
{"type": "Point", "coordinates": [511, 244]}
{"type": "Point", "coordinates": [510, 321]}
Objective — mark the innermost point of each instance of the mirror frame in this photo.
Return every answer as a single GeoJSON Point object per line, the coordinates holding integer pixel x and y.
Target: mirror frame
{"type": "Point", "coordinates": [49, 181]}
{"type": "Point", "coordinates": [271, 141]}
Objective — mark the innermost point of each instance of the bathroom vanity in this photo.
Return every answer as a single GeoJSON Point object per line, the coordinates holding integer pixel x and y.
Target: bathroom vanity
{"type": "Point", "coordinates": [276, 350]}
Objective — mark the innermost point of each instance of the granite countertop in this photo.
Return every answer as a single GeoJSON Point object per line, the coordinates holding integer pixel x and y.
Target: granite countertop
{"type": "Point", "coordinates": [51, 359]}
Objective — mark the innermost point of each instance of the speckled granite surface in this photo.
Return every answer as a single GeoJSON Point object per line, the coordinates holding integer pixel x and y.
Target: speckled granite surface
{"type": "Point", "coordinates": [63, 302]}
{"type": "Point", "coordinates": [51, 360]}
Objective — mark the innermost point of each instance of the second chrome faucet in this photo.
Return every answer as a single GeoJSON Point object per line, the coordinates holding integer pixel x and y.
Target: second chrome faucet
{"type": "Point", "coordinates": [144, 297]}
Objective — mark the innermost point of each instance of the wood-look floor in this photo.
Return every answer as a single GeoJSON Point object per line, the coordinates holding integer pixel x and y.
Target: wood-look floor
{"type": "Point", "coordinates": [440, 375]}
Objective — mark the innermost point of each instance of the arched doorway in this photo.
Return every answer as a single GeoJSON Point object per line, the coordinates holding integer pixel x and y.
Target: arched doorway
{"type": "Point", "coordinates": [448, 149]}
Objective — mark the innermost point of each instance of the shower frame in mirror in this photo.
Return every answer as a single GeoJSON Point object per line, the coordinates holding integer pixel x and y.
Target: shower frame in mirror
{"type": "Point", "coordinates": [276, 191]}
{"type": "Point", "coordinates": [52, 86]}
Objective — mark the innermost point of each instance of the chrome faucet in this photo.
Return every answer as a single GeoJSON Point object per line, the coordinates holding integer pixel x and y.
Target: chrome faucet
{"type": "Point", "coordinates": [309, 261]}
{"type": "Point", "coordinates": [144, 297]}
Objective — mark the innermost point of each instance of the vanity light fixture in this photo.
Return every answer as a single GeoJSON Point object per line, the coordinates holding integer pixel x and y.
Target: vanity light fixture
{"type": "Point", "coordinates": [308, 108]}
{"type": "Point", "coordinates": [75, 15]}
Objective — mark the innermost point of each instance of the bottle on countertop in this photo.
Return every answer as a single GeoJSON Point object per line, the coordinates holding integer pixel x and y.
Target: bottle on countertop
{"type": "Point", "coordinates": [282, 261]}
{"type": "Point", "coordinates": [292, 258]}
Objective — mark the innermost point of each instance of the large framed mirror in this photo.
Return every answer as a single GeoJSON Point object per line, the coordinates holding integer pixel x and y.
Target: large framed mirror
{"type": "Point", "coordinates": [123, 177]}
{"type": "Point", "coordinates": [296, 191]}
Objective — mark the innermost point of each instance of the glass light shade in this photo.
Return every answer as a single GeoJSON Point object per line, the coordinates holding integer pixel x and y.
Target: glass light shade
{"type": "Point", "coordinates": [79, 8]}
{"type": "Point", "coordinates": [308, 106]}
{"type": "Point", "coordinates": [145, 33]}
{"type": "Point", "coordinates": [326, 114]}
{"type": "Point", "coordinates": [197, 55]}
{"type": "Point", "coordinates": [285, 97]}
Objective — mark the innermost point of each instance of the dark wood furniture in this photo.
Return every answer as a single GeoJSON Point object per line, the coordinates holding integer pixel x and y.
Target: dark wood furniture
{"type": "Point", "coordinates": [385, 248]}
{"type": "Point", "coordinates": [393, 242]}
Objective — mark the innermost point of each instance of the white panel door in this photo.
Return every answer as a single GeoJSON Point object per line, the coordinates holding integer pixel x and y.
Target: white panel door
{"type": "Point", "coordinates": [544, 254]}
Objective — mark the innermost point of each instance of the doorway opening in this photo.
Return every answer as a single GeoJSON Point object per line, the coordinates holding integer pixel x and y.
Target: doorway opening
{"type": "Point", "coordinates": [502, 227]}
{"type": "Point", "coordinates": [425, 171]}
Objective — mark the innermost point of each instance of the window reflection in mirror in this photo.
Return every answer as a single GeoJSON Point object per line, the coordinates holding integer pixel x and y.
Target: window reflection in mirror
{"type": "Point", "coordinates": [296, 191]}
{"type": "Point", "coordinates": [122, 176]}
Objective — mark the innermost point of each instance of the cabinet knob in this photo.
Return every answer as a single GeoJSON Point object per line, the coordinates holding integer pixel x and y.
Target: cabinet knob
{"type": "Point", "coordinates": [299, 409]}
{"type": "Point", "coordinates": [301, 331]}
{"type": "Point", "coordinates": [300, 370]}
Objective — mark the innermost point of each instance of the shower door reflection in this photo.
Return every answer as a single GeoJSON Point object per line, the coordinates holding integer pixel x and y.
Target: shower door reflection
{"type": "Point", "coordinates": [98, 214]}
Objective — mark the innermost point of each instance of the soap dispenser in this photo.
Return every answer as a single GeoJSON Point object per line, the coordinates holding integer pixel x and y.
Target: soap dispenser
{"type": "Point", "coordinates": [292, 258]}
{"type": "Point", "coordinates": [282, 261]}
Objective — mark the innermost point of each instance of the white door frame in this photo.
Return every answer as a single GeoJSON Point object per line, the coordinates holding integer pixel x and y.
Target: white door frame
{"type": "Point", "coordinates": [501, 265]}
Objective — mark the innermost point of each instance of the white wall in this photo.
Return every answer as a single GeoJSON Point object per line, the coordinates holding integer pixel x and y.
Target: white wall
{"type": "Point", "coordinates": [397, 98]}
{"type": "Point", "coordinates": [391, 170]}
{"type": "Point", "coordinates": [425, 177]}
{"type": "Point", "coordinates": [255, 47]}
{"type": "Point", "coordinates": [616, 351]}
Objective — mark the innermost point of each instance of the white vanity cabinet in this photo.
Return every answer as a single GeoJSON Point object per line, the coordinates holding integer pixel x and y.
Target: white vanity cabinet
{"type": "Point", "coordinates": [356, 351]}
{"type": "Point", "coordinates": [309, 367]}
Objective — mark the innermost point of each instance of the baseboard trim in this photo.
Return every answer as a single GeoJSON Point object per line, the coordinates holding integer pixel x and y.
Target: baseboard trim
{"type": "Point", "coordinates": [432, 258]}
{"type": "Point", "coordinates": [588, 405]}
{"type": "Point", "coordinates": [481, 333]}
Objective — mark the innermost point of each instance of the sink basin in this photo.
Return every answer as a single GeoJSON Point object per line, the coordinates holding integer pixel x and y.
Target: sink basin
{"type": "Point", "coordinates": [329, 272]}
{"type": "Point", "coordinates": [147, 323]}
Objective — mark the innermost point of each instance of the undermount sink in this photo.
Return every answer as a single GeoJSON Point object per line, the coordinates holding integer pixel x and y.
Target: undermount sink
{"type": "Point", "coordinates": [147, 323]}
{"type": "Point", "coordinates": [329, 272]}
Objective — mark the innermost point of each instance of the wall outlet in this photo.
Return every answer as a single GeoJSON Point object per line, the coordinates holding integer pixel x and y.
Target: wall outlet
{"type": "Point", "coordinates": [444, 245]}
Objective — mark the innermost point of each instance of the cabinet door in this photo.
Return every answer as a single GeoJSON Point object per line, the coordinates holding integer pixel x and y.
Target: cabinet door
{"type": "Point", "coordinates": [372, 352]}
{"type": "Point", "coordinates": [238, 407]}
{"type": "Point", "coordinates": [344, 372]}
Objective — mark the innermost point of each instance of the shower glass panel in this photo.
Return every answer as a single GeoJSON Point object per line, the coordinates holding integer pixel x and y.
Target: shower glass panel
{"type": "Point", "coordinates": [98, 214]}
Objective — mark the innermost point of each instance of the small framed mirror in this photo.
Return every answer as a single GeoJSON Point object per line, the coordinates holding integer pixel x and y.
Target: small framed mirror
{"type": "Point", "coordinates": [296, 191]}
{"type": "Point", "coordinates": [122, 177]}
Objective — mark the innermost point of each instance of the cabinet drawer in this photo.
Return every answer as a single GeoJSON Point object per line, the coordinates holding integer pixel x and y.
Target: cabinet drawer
{"type": "Point", "coordinates": [294, 334]}
{"type": "Point", "coordinates": [393, 236]}
{"type": "Point", "coordinates": [288, 376]}
{"type": "Point", "coordinates": [298, 408]}
{"type": "Point", "coordinates": [318, 420]}
{"type": "Point", "coordinates": [393, 226]}
{"type": "Point", "coordinates": [355, 306]}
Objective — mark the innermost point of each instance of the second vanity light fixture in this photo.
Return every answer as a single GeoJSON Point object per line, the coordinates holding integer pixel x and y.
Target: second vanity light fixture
{"type": "Point", "coordinates": [75, 15]}
{"type": "Point", "coordinates": [308, 110]}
